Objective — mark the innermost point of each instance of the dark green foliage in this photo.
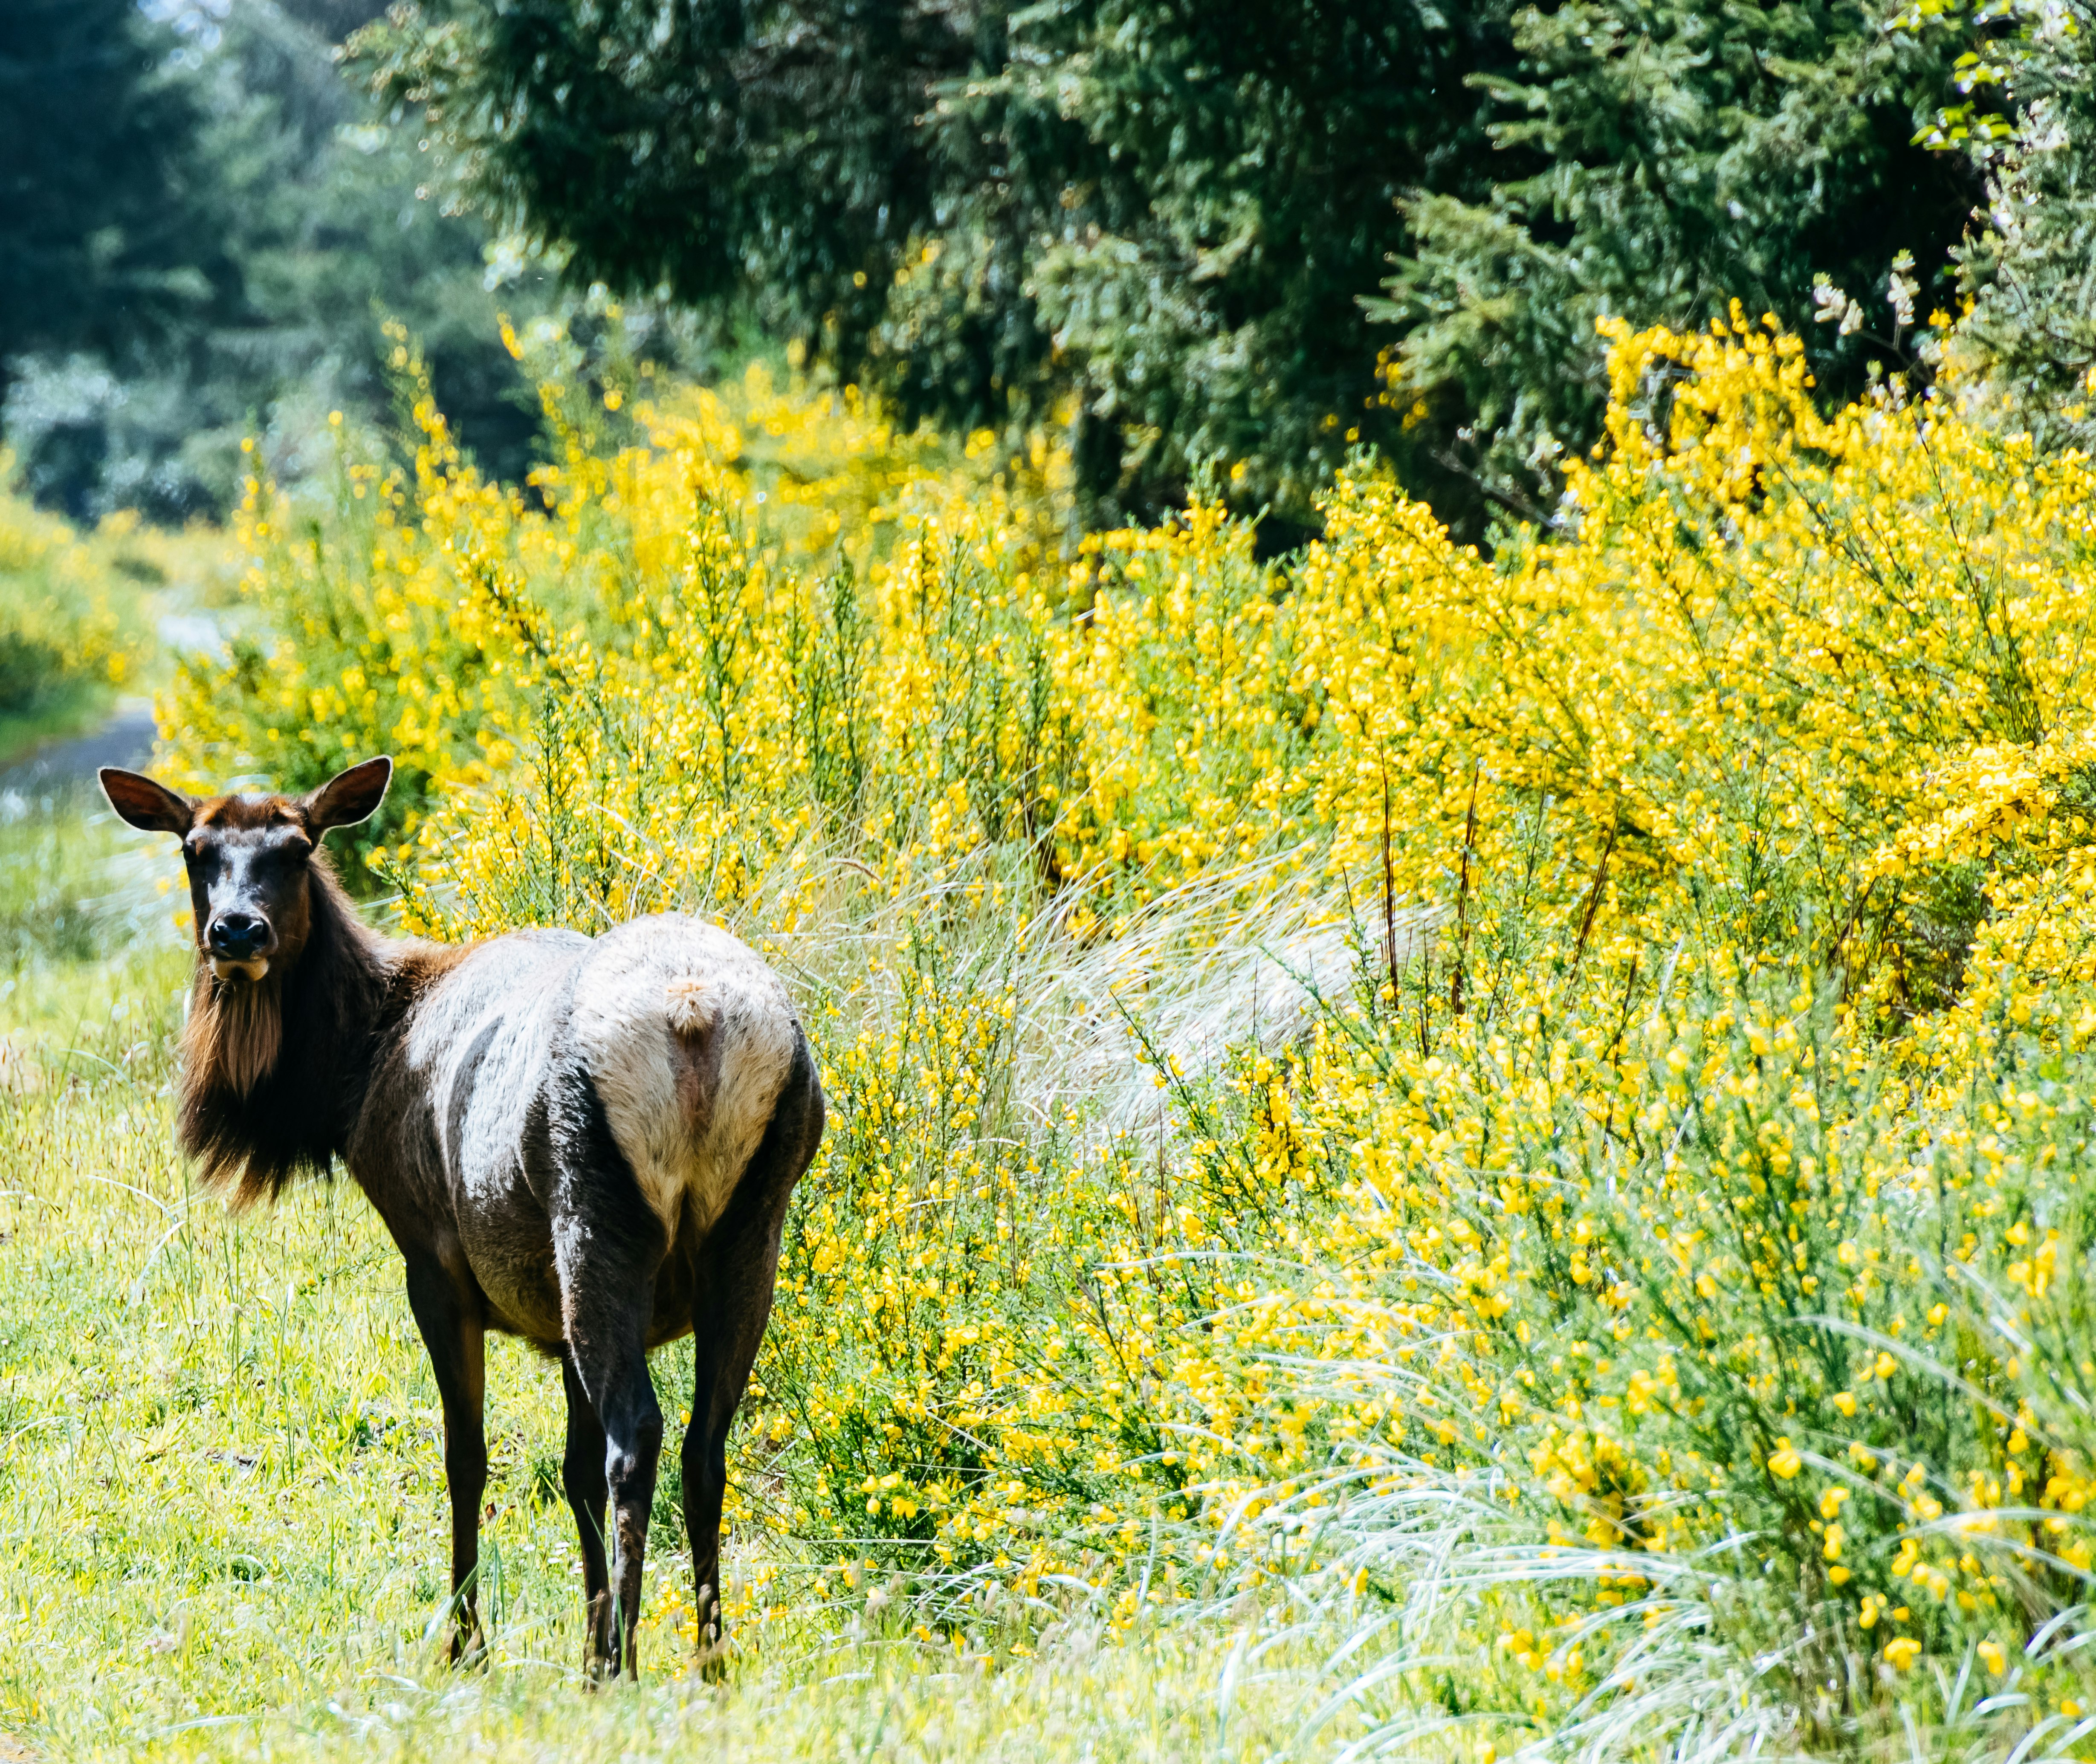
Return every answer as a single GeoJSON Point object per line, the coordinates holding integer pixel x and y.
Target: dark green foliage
{"type": "Point", "coordinates": [1177, 220]}
{"type": "Point", "coordinates": [1660, 159]}
{"type": "Point", "coordinates": [736, 156]}
{"type": "Point", "coordinates": [1199, 196]}
{"type": "Point", "coordinates": [103, 197]}
{"type": "Point", "coordinates": [1171, 211]}
{"type": "Point", "coordinates": [691, 144]}
{"type": "Point", "coordinates": [1198, 233]}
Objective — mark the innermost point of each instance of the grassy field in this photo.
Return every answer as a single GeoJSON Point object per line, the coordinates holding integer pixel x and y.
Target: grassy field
{"type": "Point", "coordinates": [221, 1486]}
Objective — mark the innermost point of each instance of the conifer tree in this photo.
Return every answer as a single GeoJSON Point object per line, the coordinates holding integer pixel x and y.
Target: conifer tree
{"type": "Point", "coordinates": [1662, 160]}
{"type": "Point", "coordinates": [106, 230]}
{"type": "Point", "coordinates": [1194, 224]}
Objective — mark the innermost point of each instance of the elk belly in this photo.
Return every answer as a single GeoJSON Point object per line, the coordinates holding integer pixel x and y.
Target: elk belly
{"type": "Point", "coordinates": [688, 1038]}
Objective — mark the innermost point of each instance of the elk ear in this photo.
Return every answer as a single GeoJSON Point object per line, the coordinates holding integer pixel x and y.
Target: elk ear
{"type": "Point", "coordinates": [147, 803]}
{"type": "Point", "coordinates": [349, 796]}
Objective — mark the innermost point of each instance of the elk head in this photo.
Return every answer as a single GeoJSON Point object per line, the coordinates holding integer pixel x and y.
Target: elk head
{"type": "Point", "coordinates": [248, 859]}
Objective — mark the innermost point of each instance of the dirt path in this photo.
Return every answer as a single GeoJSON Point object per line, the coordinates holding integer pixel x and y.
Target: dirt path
{"type": "Point", "coordinates": [126, 739]}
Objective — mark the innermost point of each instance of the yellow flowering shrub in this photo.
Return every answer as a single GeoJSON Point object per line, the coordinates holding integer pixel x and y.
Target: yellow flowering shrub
{"type": "Point", "coordinates": [69, 624]}
{"type": "Point", "coordinates": [421, 609]}
{"type": "Point", "coordinates": [1638, 1184]}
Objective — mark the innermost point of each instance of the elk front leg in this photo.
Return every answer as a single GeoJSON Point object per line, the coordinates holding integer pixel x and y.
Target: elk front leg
{"type": "Point", "coordinates": [447, 1311]}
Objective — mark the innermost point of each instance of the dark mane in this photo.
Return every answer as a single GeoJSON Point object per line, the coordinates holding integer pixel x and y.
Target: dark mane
{"type": "Point", "coordinates": [274, 1072]}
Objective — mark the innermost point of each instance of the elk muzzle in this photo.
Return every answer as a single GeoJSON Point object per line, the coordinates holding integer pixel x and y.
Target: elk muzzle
{"type": "Point", "coordinates": [239, 943]}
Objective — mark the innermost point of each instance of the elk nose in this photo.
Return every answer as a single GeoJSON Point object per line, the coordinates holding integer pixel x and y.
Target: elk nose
{"type": "Point", "coordinates": [237, 936]}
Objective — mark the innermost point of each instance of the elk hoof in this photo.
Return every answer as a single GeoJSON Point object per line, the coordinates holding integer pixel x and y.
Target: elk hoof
{"type": "Point", "coordinates": [604, 1672]}
{"type": "Point", "coordinates": [710, 1661]}
{"type": "Point", "coordinates": [709, 1665]}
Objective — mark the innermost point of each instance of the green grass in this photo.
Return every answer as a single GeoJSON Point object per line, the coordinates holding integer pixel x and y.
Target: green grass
{"type": "Point", "coordinates": [222, 1515]}
{"type": "Point", "coordinates": [87, 915]}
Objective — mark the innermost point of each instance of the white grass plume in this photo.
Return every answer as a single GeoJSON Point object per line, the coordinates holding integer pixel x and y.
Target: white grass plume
{"type": "Point", "coordinates": [1230, 958]}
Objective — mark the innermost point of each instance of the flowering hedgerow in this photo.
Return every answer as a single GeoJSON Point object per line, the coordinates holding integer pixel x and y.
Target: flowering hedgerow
{"type": "Point", "coordinates": [1627, 1173]}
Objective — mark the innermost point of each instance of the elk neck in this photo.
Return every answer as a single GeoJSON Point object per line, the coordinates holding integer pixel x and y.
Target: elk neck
{"type": "Point", "coordinates": [275, 1071]}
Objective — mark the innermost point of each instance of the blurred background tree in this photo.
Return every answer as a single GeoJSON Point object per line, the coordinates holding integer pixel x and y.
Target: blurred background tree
{"type": "Point", "coordinates": [107, 225]}
{"type": "Point", "coordinates": [1236, 239]}
{"type": "Point", "coordinates": [208, 225]}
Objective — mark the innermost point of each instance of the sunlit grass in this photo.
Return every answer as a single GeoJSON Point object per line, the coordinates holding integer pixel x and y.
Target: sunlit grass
{"type": "Point", "coordinates": [87, 916]}
{"type": "Point", "coordinates": [222, 1513]}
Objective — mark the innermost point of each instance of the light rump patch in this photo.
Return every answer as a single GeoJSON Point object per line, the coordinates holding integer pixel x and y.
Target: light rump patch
{"type": "Point", "coordinates": [691, 1012]}
{"type": "Point", "coordinates": [687, 1037]}
{"type": "Point", "coordinates": [697, 1054]}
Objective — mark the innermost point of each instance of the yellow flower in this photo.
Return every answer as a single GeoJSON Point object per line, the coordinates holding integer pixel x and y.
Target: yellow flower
{"type": "Point", "coordinates": [1559, 803]}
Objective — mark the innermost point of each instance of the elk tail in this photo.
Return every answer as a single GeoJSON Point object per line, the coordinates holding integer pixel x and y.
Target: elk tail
{"type": "Point", "coordinates": [693, 1020]}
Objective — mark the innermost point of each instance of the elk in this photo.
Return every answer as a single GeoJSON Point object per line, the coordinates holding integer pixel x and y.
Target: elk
{"type": "Point", "coordinates": [589, 1143]}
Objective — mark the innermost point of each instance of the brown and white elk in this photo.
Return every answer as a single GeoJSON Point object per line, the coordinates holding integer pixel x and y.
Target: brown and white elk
{"type": "Point", "coordinates": [586, 1142]}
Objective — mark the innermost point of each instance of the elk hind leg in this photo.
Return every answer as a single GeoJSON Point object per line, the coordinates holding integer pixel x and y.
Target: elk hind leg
{"type": "Point", "coordinates": [607, 1248]}
{"type": "Point", "coordinates": [582, 1482]}
{"type": "Point", "coordinates": [737, 1274]}
{"type": "Point", "coordinates": [614, 1376]}
{"type": "Point", "coordinates": [704, 1460]}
